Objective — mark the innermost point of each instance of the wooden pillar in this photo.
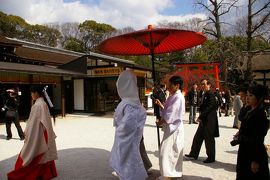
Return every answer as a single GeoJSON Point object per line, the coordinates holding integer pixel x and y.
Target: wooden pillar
{"type": "Point", "coordinates": [63, 100]}
{"type": "Point", "coordinates": [216, 76]}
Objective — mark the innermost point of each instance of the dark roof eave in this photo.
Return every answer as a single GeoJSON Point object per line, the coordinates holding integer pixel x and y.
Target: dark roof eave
{"type": "Point", "coordinates": [36, 69]}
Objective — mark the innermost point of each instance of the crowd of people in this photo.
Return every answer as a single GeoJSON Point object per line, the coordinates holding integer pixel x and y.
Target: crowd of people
{"type": "Point", "coordinates": [128, 158]}
{"type": "Point", "coordinates": [250, 117]}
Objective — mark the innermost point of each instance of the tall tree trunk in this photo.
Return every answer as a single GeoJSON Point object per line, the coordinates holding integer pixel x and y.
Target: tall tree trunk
{"type": "Point", "coordinates": [249, 39]}
{"type": "Point", "coordinates": [217, 23]}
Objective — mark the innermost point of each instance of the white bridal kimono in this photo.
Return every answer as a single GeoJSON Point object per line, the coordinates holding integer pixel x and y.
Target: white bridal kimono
{"type": "Point", "coordinates": [38, 153]}
{"type": "Point", "coordinates": [171, 150]}
{"type": "Point", "coordinates": [129, 119]}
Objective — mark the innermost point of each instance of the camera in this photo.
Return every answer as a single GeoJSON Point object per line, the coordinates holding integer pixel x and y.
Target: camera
{"type": "Point", "coordinates": [235, 141]}
{"type": "Point", "coordinates": [152, 97]}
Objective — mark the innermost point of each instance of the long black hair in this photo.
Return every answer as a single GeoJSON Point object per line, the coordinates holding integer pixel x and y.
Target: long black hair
{"type": "Point", "coordinates": [259, 91]}
{"type": "Point", "coordinates": [37, 88]}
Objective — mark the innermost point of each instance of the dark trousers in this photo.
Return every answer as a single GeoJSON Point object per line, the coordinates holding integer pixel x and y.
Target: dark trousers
{"type": "Point", "coordinates": [9, 121]}
{"type": "Point", "coordinates": [192, 113]}
{"type": "Point", "coordinates": [146, 161]}
{"type": "Point", "coordinates": [209, 140]}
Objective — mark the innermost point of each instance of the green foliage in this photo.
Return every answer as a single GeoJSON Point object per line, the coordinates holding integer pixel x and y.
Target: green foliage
{"type": "Point", "coordinates": [17, 27]}
{"type": "Point", "coordinates": [257, 43]}
{"type": "Point", "coordinates": [12, 26]}
{"type": "Point", "coordinates": [200, 55]}
{"type": "Point", "coordinates": [93, 33]}
{"type": "Point", "coordinates": [74, 44]}
{"type": "Point", "coordinates": [42, 35]}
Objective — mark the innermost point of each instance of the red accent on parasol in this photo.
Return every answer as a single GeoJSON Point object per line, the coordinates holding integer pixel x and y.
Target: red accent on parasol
{"type": "Point", "coordinates": [161, 40]}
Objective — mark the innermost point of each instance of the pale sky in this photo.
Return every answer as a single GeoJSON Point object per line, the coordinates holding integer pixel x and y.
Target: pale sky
{"type": "Point", "coordinates": [118, 13]}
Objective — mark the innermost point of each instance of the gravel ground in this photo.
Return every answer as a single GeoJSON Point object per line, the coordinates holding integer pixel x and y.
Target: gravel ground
{"type": "Point", "coordinates": [84, 142]}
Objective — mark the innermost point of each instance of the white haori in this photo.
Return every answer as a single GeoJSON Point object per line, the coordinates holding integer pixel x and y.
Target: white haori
{"type": "Point", "coordinates": [174, 110]}
{"type": "Point", "coordinates": [35, 144]}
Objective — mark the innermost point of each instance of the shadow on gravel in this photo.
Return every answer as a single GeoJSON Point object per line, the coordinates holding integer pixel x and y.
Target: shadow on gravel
{"type": "Point", "coordinates": [83, 163]}
{"type": "Point", "coordinates": [92, 163]}
{"type": "Point", "coordinates": [227, 127]}
{"type": "Point", "coordinates": [216, 165]}
{"type": "Point", "coordinates": [155, 174]}
{"type": "Point", "coordinates": [2, 136]}
{"type": "Point", "coordinates": [150, 125]}
{"type": "Point", "coordinates": [155, 153]}
{"type": "Point", "coordinates": [73, 164]}
{"type": "Point", "coordinates": [232, 152]}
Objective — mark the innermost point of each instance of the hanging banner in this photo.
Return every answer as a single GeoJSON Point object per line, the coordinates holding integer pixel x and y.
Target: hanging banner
{"type": "Point", "coordinates": [105, 71]}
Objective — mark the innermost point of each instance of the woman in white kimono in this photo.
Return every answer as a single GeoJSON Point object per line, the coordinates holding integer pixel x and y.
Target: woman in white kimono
{"type": "Point", "coordinates": [36, 159]}
{"type": "Point", "coordinates": [171, 150]}
{"type": "Point", "coordinates": [129, 119]}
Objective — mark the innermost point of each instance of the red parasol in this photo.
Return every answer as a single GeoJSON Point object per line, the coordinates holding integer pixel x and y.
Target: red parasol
{"type": "Point", "coordinates": [152, 41]}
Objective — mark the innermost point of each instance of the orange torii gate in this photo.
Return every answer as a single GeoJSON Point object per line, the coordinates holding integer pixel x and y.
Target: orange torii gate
{"type": "Point", "coordinates": [194, 72]}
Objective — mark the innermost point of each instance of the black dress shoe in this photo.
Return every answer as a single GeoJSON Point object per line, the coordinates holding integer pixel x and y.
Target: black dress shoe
{"type": "Point", "coordinates": [190, 156]}
{"type": "Point", "coordinates": [194, 122]}
{"type": "Point", "coordinates": [22, 138]}
{"type": "Point", "coordinates": [209, 161]}
{"type": "Point", "coordinates": [8, 138]}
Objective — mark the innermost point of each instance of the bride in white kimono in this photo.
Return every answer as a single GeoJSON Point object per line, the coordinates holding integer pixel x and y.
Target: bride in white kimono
{"type": "Point", "coordinates": [129, 119]}
{"type": "Point", "coordinates": [171, 150]}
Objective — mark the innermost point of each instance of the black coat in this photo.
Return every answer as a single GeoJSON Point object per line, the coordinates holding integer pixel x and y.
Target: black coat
{"type": "Point", "coordinates": [193, 97]}
{"type": "Point", "coordinates": [254, 127]}
{"type": "Point", "coordinates": [208, 113]}
{"type": "Point", "coordinates": [160, 95]}
{"type": "Point", "coordinates": [12, 103]}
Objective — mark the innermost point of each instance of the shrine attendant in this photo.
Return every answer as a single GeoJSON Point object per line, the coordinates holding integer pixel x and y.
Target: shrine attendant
{"type": "Point", "coordinates": [36, 159]}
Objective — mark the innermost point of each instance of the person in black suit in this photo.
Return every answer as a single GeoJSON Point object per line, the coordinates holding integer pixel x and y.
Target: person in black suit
{"type": "Point", "coordinates": [208, 125]}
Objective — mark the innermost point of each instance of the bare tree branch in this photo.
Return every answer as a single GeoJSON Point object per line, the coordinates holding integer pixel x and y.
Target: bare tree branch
{"type": "Point", "coordinates": [212, 19]}
{"type": "Point", "coordinates": [203, 5]}
{"type": "Point", "coordinates": [210, 31]}
{"type": "Point", "coordinates": [262, 21]}
{"type": "Point", "coordinates": [260, 10]}
{"type": "Point", "coordinates": [229, 8]}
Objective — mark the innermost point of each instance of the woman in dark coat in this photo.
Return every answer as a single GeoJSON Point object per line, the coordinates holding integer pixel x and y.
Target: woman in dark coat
{"type": "Point", "coordinates": [252, 160]}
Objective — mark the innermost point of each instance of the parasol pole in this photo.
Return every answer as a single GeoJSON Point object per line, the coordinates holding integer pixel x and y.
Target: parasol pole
{"type": "Point", "coordinates": [153, 65]}
{"type": "Point", "coordinates": [154, 79]}
{"type": "Point", "coordinates": [154, 75]}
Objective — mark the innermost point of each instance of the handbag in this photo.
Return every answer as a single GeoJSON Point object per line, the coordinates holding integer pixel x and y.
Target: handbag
{"type": "Point", "coordinates": [10, 114]}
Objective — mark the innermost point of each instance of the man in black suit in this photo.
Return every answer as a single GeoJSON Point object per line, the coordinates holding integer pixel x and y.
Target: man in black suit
{"type": "Point", "coordinates": [208, 125]}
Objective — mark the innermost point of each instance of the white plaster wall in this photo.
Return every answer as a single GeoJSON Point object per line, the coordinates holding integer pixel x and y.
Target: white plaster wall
{"type": "Point", "coordinates": [78, 94]}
